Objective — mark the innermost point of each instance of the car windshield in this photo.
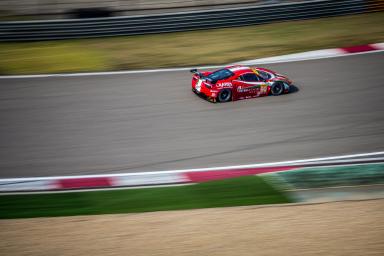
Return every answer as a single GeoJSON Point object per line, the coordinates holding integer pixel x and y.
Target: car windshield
{"type": "Point", "coordinates": [220, 74]}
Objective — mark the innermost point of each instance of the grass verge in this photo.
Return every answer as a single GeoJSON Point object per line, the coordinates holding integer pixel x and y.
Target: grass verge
{"type": "Point", "coordinates": [248, 190]}
{"type": "Point", "coordinates": [319, 177]}
{"type": "Point", "coordinates": [216, 46]}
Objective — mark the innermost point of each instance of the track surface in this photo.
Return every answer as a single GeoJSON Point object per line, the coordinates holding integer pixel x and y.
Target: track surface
{"type": "Point", "coordinates": [143, 122]}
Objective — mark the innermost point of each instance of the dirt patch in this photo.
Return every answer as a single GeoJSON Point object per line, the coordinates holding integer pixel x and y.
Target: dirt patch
{"type": "Point", "coordinates": [339, 228]}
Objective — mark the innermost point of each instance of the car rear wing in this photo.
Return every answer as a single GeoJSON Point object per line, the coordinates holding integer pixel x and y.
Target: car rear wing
{"type": "Point", "coordinates": [194, 71]}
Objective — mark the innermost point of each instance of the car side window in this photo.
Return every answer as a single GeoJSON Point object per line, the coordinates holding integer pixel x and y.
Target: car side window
{"type": "Point", "coordinates": [264, 75]}
{"type": "Point", "coordinates": [250, 77]}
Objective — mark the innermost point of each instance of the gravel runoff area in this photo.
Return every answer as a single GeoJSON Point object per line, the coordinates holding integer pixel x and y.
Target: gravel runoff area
{"type": "Point", "coordinates": [338, 228]}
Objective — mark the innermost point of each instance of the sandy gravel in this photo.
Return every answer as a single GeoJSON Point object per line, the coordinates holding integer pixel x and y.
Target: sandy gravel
{"type": "Point", "coordinates": [342, 228]}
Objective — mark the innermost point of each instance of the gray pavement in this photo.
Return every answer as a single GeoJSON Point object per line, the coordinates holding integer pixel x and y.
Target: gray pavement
{"type": "Point", "coordinates": [144, 122]}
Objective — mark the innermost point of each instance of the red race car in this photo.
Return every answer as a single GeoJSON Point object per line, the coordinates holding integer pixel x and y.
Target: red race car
{"type": "Point", "coordinates": [238, 82]}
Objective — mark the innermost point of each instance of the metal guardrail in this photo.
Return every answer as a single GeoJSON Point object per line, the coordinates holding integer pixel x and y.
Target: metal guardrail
{"type": "Point", "coordinates": [173, 22]}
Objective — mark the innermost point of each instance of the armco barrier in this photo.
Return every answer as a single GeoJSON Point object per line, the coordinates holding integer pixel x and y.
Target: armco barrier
{"type": "Point", "coordinates": [182, 21]}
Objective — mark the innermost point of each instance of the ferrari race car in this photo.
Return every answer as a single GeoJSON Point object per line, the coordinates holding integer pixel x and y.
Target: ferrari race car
{"type": "Point", "coordinates": [238, 82]}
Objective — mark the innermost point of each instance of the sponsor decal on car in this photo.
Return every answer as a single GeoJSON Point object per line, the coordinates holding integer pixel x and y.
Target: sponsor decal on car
{"type": "Point", "coordinates": [241, 89]}
{"type": "Point", "coordinates": [250, 89]}
{"type": "Point", "coordinates": [224, 85]}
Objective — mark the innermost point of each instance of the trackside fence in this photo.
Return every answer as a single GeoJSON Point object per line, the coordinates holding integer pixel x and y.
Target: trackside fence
{"type": "Point", "coordinates": [182, 21]}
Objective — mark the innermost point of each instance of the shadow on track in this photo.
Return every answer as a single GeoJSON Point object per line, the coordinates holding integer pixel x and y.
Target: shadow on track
{"type": "Point", "coordinates": [293, 89]}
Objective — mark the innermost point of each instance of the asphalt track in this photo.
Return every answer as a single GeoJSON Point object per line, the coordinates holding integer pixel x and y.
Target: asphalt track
{"type": "Point", "coordinates": [143, 122]}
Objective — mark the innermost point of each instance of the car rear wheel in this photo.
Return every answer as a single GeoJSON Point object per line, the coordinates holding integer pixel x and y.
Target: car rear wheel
{"type": "Point", "coordinates": [277, 88]}
{"type": "Point", "coordinates": [224, 95]}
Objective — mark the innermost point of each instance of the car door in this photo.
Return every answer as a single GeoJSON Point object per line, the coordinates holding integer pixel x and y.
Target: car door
{"type": "Point", "coordinates": [249, 85]}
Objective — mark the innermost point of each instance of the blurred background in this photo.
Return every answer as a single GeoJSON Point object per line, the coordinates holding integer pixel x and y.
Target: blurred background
{"type": "Point", "coordinates": [129, 34]}
{"type": "Point", "coordinates": [62, 9]}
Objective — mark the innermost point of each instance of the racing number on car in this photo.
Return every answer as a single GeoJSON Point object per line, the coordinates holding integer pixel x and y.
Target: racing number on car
{"type": "Point", "coordinates": [263, 89]}
{"type": "Point", "coordinates": [198, 85]}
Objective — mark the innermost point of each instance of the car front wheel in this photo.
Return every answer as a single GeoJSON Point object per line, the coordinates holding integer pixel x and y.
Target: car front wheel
{"type": "Point", "coordinates": [277, 88]}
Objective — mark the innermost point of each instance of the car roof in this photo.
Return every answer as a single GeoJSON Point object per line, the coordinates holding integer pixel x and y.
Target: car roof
{"type": "Point", "coordinates": [239, 69]}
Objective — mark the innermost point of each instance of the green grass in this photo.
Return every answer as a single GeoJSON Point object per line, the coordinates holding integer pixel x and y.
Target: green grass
{"type": "Point", "coordinates": [216, 46]}
{"type": "Point", "coordinates": [364, 174]}
{"type": "Point", "coordinates": [249, 190]}
{"type": "Point", "coordinates": [50, 57]}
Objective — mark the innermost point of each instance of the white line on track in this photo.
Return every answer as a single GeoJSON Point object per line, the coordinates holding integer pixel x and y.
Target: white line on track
{"type": "Point", "coordinates": [254, 62]}
{"type": "Point", "coordinates": [274, 164]}
{"type": "Point", "coordinates": [272, 60]}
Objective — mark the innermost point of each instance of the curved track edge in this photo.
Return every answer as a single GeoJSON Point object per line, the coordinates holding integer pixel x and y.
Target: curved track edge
{"type": "Point", "coordinates": [174, 177]}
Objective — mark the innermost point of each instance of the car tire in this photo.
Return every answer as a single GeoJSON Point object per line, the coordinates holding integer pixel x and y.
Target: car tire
{"type": "Point", "coordinates": [225, 95]}
{"type": "Point", "coordinates": [277, 88]}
